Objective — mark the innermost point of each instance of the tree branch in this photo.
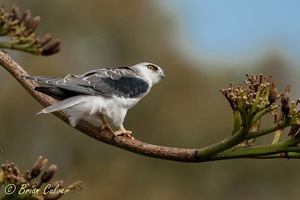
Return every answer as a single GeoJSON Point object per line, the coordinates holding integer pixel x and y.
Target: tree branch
{"type": "Point", "coordinates": [234, 146]}
{"type": "Point", "coordinates": [169, 153]}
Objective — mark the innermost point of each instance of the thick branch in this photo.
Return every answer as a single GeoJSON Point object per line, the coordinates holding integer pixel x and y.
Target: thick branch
{"type": "Point", "coordinates": [218, 151]}
{"type": "Point", "coordinates": [169, 153]}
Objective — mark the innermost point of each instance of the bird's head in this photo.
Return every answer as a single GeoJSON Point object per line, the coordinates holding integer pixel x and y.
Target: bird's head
{"type": "Point", "coordinates": [151, 72]}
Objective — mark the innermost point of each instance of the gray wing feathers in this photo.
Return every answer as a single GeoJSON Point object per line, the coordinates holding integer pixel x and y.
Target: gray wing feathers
{"type": "Point", "coordinates": [70, 82]}
{"type": "Point", "coordinates": [42, 79]}
{"type": "Point", "coordinates": [64, 104]}
{"type": "Point", "coordinates": [113, 73]}
{"type": "Point", "coordinates": [104, 82]}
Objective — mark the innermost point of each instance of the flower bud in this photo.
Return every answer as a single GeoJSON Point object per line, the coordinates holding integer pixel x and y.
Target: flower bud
{"type": "Point", "coordinates": [294, 129]}
{"type": "Point", "coordinates": [33, 24]}
{"type": "Point", "coordinates": [48, 174]}
{"type": "Point", "coordinates": [37, 167]}
{"type": "Point", "coordinates": [273, 92]}
{"type": "Point", "coordinates": [285, 100]}
{"type": "Point", "coordinates": [51, 47]}
{"type": "Point", "coordinates": [15, 13]}
{"type": "Point", "coordinates": [26, 18]}
{"type": "Point", "coordinates": [45, 39]}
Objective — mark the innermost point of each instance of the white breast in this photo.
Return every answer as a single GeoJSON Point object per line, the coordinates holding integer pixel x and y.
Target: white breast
{"type": "Point", "coordinates": [114, 108]}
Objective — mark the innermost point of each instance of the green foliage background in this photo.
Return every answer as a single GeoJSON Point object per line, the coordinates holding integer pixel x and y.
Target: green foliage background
{"type": "Point", "coordinates": [184, 110]}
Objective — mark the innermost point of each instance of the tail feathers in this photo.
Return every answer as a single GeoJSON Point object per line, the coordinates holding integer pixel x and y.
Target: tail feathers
{"type": "Point", "coordinates": [64, 104]}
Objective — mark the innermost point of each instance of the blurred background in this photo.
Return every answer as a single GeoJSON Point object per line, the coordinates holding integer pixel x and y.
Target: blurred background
{"type": "Point", "coordinates": [202, 46]}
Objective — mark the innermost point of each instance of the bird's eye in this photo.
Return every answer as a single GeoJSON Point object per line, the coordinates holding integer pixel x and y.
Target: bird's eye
{"type": "Point", "coordinates": [151, 67]}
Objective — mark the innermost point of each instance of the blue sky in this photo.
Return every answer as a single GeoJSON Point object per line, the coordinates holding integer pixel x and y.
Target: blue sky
{"type": "Point", "coordinates": [234, 28]}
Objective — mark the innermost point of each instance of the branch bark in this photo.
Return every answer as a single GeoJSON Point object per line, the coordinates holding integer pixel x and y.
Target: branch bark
{"type": "Point", "coordinates": [218, 151]}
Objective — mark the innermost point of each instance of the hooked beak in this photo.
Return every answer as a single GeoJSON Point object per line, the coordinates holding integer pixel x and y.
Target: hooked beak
{"type": "Point", "coordinates": [162, 75]}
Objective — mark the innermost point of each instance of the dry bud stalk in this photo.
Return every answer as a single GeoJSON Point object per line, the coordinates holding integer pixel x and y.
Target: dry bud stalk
{"type": "Point", "coordinates": [26, 187]}
{"type": "Point", "coordinates": [21, 29]}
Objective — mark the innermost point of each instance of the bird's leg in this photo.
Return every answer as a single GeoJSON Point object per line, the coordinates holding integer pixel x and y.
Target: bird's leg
{"type": "Point", "coordinates": [105, 124]}
{"type": "Point", "coordinates": [123, 131]}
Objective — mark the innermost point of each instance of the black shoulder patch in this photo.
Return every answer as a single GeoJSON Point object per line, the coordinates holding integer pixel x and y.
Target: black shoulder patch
{"type": "Point", "coordinates": [131, 87]}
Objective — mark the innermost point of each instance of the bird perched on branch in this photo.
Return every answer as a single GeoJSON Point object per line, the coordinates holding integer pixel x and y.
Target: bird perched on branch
{"type": "Point", "coordinates": [100, 93]}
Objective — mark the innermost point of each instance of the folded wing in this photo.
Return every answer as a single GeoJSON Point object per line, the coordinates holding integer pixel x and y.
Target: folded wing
{"type": "Point", "coordinates": [122, 82]}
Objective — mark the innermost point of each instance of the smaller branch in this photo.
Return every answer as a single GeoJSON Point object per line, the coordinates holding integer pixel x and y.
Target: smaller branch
{"type": "Point", "coordinates": [227, 143]}
{"type": "Point", "coordinates": [261, 113]}
{"type": "Point", "coordinates": [271, 129]}
{"type": "Point", "coordinates": [276, 136]}
{"type": "Point", "coordinates": [289, 155]}
{"type": "Point", "coordinates": [260, 151]}
{"type": "Point", "coordinates": [237, 121]}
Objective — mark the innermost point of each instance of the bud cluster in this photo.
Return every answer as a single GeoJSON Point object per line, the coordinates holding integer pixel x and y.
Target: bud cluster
{"type": "Point", "coordinates": [21, 29]}
{"type": "Point", "coordinates": [11, 175]}
{"type": "Point", "coordinates": [258, 97]}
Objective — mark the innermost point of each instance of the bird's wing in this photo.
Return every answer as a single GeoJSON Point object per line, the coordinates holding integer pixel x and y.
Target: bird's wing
{"type": "Point", "coordinates": [122, 82]}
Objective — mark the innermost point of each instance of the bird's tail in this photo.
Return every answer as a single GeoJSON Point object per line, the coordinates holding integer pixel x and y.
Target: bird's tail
{"type": "Point", "coordinates": [64, 104]}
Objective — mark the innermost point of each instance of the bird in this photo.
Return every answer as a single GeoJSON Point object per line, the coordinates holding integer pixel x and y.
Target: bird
{"type": "Point", "coordinates": [99, 94]}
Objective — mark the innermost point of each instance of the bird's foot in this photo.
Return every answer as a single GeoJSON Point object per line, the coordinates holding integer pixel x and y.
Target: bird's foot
{"type": "Point", "coordinates": [123, 132]}
{"type": "Point", "coordinates": [106, 127]}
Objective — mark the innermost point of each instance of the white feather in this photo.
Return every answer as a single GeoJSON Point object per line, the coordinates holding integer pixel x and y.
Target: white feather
{"type": "Point", "coordinates": [115, 108]}
{"type": "Point", "coordinates": [89, 107]}
{"type": "Point", "coordinates": [64, 104]}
